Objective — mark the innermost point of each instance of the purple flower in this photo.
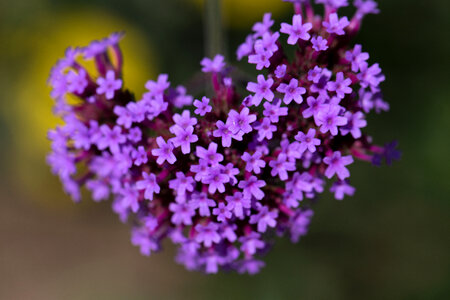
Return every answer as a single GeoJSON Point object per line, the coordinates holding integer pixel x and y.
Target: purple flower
{"type": "Point", "coordinates": [108, 85]}
{"type": "Point", "coordinates": [342, 188]}
{"type": "Point", "coordinates": [261, 89]}
{"type": "Point", "coordinates": [251, 243]}
{"type": "Point", "coordinates": [328, 119]}
{"type": "Point", "coordinates": [297, 30]}
{"type": "Point", "coordinates": [292, 91]}
{"type": "Point", "coordinates": [260, 28]}
{"type": "Point", "coordinates": [157, 88]}
{"type": "Point", "coordinates": [135, 134]}
{"type": "Point", "coordinates": [223, 131]}
{"type": "Point", "coordinates": [370, 77]}
{"type": "Point", "coordinates": [149, 184]}
{"type": "Point", "coordinates": [274, 111]}
{"type": "Point", "coordinates": [245, 48]}
{"type": "Point", "coordinates": [357, 58]}
{"type": "Point", "coordinates": [280, 71]}
{"type": "Point", "coordinates": [76, 82]}
{"type": "Point", "coordinates": [281, 166]}
{"type": "Point", "coordinates": [261, 58]}
{"type": "Point", "coordinates": [307, 141]}
{"type": "Point", "coordinates": [241, 121]}
{"type": "Point", "coordinates": [183, 138]}
{"type": "Point", "coordinates": [341, 86]}
{"type": "Point", "coordinates": [250, 266]}
{"type": "Point", "coordinates": [207, 234]}
{"type": "Point", "coordinates": [182, 213]}
{"type": "Point", "coordinates": [222, 212]}
{"type": "Point", "coordinates": [365, 7]}
{"type": "Point", "coordinates": [124, 116]}
{"type": "Point", "coordinates": [354, 124]}
{"type": "Point", "coordinates": [165, 152]}
{"type": "Point", "coordinates": [319, 43]}
{"type": "Point", "coordinates": [201, 202]}
{"type": "Point", "coordinates": [336, 25]}
{"type": "Point", "coordinates": [254, 163]}
{"type": "Point", "coordinates": [237, 203]}
{"type": "Point", "coordinates": [142, 239]}
{"type": "Point", "coordinates": [111, 138]}
{"type": "Point", "coordinates": [336, 165]}
{"type": "Point", "coordinates": [231, 172]}
{"type": "Point", "coordinates": [269, 41]}
{"type": "Point", "coordinates": [200, 170]}
{"type": "Point", "coordinates": [184, 120]}
{"type": "Point", "coordinates": [216, 180]}
{"type": "Point", "coordinates": [210, 156]}
{"type": "Point", "coordinates": [182, 183]}
{"type": "Point", "coordinates": [265, 129]}
{"type": "Point", "coordinates": [203, 106]}
{"type": "Point", "coordinates": [99, 189]}
{"type": "Point", "coordinates": [252, 187]}
{"type": "Point", "coordinates": [181, 99]}
{"type": "Point", "coordinates": [215, 65]}
{"type": "Point", "coordinates": [129, 198]}
{"type": "Point", "coordinates": [139, 156]}
{"type": "Point", "coordinates": [264, 218]}
{"type": "Point", "coordinates": [315, 105]}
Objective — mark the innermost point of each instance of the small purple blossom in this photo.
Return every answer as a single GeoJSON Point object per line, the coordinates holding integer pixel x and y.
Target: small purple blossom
{"type": "Point", "coordinates": [342, 188]}
{"type": "Point", "coordinates": [201, 202]}
{"type": "Point", "coordinates": [210, 155]}
{"type": "Point", "coordinates": [336, 25]}
{"type": "Point", "coordinates": [261, 58]}
{"type": "Point", "coordinates": [149, 184]}
{"type": "Point", "coordinates": [319, 43]}
{"type": "Point", "coordinates": [354, 124]}
{"type": "Point", "coordinates": [297, 30]}
{"type": "Point", "coordinates": [182, 213]}
{"type": "Point", "coordinates": [328, 119]}
{"type": "Point", "coordinates": [207, 234]}
{"type": "Point", "coordinates": [139, 156]}
{"type": "Point", "coordinates": [274, 111]}
{"type": "Point", "coordinates": [265, 129]}
{"type": "Point", "coordinates": [182, 183]}
{"type": "Point", "coordinates": [280, 71]}
{"type": "Point", "coordinates": [222, 212]}
{"type": "Point", "coordinates": [341, 86]}
{"type": "Point", "coordinates": [214, 65]}
{"type": "Point", "coordinates": [157, 88]}
{"type": "Point", "coordinates": [281, 166]}
{"type": "Point", "coordinates": [307, 141]}
{"type": "Point", "coordinates": [237, 203]}
{"type": "Point", "coordinates": [264, 218]}
{"type": "Point", "coordinates": [164, 152]}
{"type": "Point", "coordinates": [292, 91]}
{"type": "Point", "coordinates": [357, 58]}
{"type": "Point", "coordinates": [216, 180]}
{"type": "Point", "coordinates": [203, 106]}
{"type": "Point", "coordinates": [336, 165]}
{"type": "Point", "coordinates": [183, 138]}
{"type": "Point", "coordinates": [252, 187]}
{"type": "Point", "coordinates": [260, 28]}
{"type": "Point", "coordinates": [241, 121]}
{"type": "Point", "coordinates": [108, 85]}
{"type": "Point", "coordinates": [253, 162]}
{"type": "Point", "coordinates": [261, 90]}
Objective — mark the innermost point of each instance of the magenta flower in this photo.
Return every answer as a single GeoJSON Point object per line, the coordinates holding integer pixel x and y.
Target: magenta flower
{"type": "Point", "coordinates": [254, 163]}
{"type": "Point", "coordinates": [307, 141]}
{"type": "Point", "coordinates": [183, 138]}
{"type": "Point", "coordinates": [336, 25]}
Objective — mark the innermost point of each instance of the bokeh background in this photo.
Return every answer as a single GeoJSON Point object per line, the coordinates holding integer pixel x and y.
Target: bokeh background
{"type": "Point", "coordinates": [390, 241]}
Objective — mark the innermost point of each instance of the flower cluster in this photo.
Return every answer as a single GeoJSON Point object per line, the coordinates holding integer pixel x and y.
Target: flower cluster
{"type": "Point", "coordinates": [220, 175]}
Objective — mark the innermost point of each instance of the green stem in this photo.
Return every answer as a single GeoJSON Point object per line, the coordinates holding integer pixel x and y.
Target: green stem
{"type": "Point", "coordinates": [213, 28]}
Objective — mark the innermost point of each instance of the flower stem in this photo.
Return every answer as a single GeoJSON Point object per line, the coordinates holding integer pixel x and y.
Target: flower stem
{"type": "Point", "coordinates": [213, 28]}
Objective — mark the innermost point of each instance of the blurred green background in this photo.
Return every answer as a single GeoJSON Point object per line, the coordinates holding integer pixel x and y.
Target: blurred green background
{"type": "Point", "coordinates": [390, 241]}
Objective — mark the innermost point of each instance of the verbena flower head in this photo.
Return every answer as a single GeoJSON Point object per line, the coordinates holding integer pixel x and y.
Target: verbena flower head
{"type": "Point", "coordinates": [220, 174]}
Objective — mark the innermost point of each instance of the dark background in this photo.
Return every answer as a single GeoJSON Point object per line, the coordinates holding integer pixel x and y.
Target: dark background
{"type": "Point", "coordinates": [390, 241]}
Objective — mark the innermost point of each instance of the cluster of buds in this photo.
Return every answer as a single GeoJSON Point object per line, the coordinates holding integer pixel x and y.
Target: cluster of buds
{"type": "Point", "coordinates": [219, 175]}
